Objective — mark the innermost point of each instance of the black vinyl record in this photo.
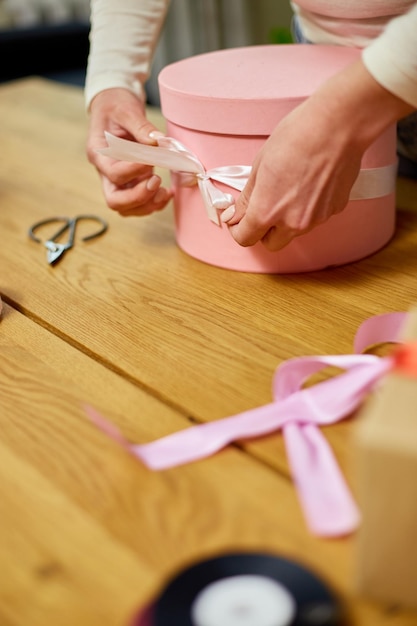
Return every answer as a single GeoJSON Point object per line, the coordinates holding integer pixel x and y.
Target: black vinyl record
{"type": "Point", "coordinates": [303, 599]}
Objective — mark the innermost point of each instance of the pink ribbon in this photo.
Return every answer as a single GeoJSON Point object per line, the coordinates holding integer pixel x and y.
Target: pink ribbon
{"type": "Point", "coordinates": [325, 498]}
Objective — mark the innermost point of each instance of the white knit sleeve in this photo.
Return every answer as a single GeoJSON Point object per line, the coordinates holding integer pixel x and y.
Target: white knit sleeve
{"type": "Point", "coordinates": [392, 57]}
{"type": "Point", "coordinates": [123, 38]}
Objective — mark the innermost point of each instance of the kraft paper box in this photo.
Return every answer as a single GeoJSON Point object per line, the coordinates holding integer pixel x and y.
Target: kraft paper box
{"type": "Point", "coordinates": [385, 453]}
{"type": "Point", "coordinates": [222, 106]}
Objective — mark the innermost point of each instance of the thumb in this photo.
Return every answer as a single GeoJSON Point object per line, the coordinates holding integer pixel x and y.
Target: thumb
{"type": "Point", "coordinates": [147, 133]}
{"type": "Point", "coordinates": [139, 126]}
{"type": "Point", "coordinates": [233, 214]}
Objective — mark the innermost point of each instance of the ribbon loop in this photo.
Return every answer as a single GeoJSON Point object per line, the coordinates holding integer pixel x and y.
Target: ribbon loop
{"type": "Point", "coordinates": [324, 495]}
{"type": "Point", "coordinates": [214, 199]}
{"type": "Point", "coordinates": [173, 155]}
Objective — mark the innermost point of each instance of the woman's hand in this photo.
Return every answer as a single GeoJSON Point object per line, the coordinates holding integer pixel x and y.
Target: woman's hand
{"type": "Point", "coordinates": [305, 171]}
{"type": "Point", "coordinates": [129, 188]}
{"type": "Point", "coordinates": [302, 175]}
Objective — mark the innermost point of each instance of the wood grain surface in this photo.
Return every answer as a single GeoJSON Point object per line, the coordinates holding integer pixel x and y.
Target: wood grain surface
{"type": "Point", "coordinates": [155, 340]}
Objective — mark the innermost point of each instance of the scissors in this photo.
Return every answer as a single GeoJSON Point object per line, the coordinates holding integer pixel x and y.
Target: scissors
{"type": "Point", "coordinates": [54, 249]}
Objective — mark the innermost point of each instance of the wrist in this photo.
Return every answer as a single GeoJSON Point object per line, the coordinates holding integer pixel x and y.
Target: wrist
{"type": "Point", "coordinates": [112, 95]}
{"type": "Point", "coordinates": [360, 107]}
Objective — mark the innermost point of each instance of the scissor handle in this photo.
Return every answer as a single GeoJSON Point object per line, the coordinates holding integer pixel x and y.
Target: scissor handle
{"type": "Point", "coordinates": [97, 218]}
{"type": "Point", "coordinates": [49, 220]}
{"type": "Point", "coordinates": [69, 222]}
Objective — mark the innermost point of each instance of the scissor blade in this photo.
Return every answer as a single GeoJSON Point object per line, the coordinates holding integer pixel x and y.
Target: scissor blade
{"type": "Point", "coordinates": [54, 251]}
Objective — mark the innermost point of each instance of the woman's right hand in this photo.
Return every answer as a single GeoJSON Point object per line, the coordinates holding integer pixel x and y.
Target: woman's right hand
{"type": "Point", "coordinates": [129, 188]}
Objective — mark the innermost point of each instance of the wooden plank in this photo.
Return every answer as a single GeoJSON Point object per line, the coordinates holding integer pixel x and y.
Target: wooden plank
{"type": "Point", "coordinates": [59, 566]}
{"type": "Point", "coordinates": [80, 490]}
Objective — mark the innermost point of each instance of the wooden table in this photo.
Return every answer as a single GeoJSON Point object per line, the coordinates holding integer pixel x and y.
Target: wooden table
{"type": "Point", "coordinates": [155, 340]}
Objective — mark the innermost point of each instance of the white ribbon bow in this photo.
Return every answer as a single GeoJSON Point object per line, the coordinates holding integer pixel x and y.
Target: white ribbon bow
{"type": "Point", "coordinates": [173, 155]}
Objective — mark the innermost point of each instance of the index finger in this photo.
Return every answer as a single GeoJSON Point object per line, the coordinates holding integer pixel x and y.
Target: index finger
{"type": "Point", "coordinates": [120, 172]}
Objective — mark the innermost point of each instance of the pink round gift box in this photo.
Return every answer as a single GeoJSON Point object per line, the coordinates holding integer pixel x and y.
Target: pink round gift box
{"type": "Point", "coordinates": [222, 106]}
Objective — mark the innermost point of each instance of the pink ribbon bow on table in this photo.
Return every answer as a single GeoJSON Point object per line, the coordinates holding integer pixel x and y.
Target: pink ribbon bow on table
{"type": "Point", "coordinates": [174, 156]}
{"type": "Point", "coordinates": [326, 501]}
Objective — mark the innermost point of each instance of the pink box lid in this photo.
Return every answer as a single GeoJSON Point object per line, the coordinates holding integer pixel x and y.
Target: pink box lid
{"type": "Point", "coordinates": [246, 90]}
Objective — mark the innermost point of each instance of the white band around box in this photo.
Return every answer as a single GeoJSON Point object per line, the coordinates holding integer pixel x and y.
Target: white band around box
{"type": "Point", "coordinates": [173, 155]}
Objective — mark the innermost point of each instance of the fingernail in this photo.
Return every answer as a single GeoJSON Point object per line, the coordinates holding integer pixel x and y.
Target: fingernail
{"type": "Point", "coordinates": [156, 134]}
{"type": "Point", "coordinates": [153, 183]}
{"type": "Point", "coordinates": [228, 214]}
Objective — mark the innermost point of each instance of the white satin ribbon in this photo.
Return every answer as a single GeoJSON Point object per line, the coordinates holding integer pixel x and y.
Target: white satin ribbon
{"type": "Point", "coordinates": [374, 182]}
{"type": "Point", "coordinates": [173, 155]}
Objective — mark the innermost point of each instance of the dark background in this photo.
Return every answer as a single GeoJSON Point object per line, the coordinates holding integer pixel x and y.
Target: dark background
{"type": "Point", "coordinates": [55, 51]}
